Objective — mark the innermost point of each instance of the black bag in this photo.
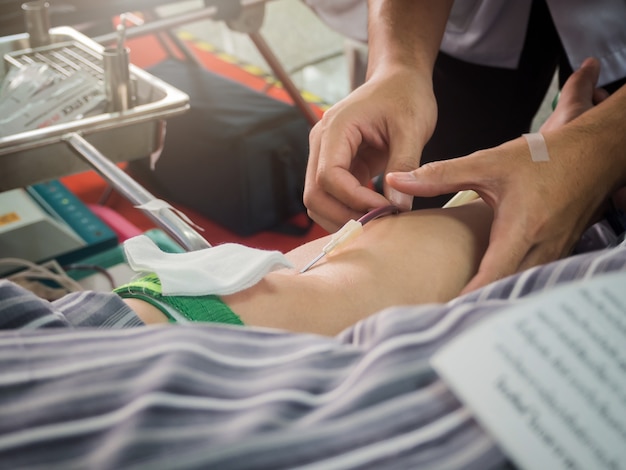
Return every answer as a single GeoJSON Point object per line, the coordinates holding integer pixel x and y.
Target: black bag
{"type": "Point", "coordinates": [237, 156]}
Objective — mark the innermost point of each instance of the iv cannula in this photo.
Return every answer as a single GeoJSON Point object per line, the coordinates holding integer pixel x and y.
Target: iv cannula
{"type": "Point", "coordinates": [351, 230]}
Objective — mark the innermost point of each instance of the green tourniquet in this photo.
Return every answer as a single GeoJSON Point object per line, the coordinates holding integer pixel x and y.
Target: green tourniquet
{"type": "Point", "coordinates": [204, 308]}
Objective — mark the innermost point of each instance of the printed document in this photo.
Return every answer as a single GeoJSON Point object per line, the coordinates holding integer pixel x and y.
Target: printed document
{"type": "Point", "coordinates": [547, 377]}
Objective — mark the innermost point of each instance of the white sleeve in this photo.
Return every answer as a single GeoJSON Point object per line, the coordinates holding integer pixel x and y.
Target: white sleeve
{"type": "Point", "coordinates": [347, 17]}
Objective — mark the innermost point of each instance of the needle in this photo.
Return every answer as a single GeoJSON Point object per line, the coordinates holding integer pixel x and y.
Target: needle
{"type": "Point", "coordinates": [315, 260]}
{"type": "Point", "coordinates": [351, 230]}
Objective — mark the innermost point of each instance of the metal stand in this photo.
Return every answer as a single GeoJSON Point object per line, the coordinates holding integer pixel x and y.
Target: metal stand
{"type": "Point", "coordinates": [182, 232]}
{"type": "Point", "coordinates": [38, 155]}
{"type": "Point", "coordinates": [249, 22]}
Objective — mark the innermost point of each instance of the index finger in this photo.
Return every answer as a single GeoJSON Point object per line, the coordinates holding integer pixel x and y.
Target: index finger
{"type": "Point", "coordinates": [326, 185]}
{"type": "Point", "coordinates": [336, 169]}
{"type": "Point", "coordinates": [324, 209]}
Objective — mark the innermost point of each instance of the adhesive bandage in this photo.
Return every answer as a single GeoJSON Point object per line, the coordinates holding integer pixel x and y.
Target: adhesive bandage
{"type": "Point", "coordinates": [538, 147]}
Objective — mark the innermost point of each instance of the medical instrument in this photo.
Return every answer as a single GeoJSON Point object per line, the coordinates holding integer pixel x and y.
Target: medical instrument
{"type": "Point", "coordinates": [47, 152]}
{"type": "Point", "coordinates": [351, 230]}
{"type": "Point", "coordinates": [460, 198]}
{"type": "Point", "coordinates": [118, 82]}
{"type": "Point", "coordinates": [37, 22]}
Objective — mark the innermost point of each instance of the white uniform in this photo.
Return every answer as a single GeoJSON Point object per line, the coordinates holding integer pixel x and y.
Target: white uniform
{"type": "Point", "coordinates": [492, 32]}
{"type": "Point", "coordinates": [347, 17]}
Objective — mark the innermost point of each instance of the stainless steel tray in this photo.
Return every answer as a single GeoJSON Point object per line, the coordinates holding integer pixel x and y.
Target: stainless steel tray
{"type": "Point", "coordinates": [38, 155]}
{"type": "Point", "coordinates": [94, 142]}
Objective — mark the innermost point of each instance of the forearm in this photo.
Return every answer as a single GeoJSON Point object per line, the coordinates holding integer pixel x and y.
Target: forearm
{"type": "Point", "coordinates": [412, 258]}
{"type": "Point", "coordinates": [592, 151]}
{"type": "Point", "coordinates": [405, 33]}
{"type": "Point", "coordinates": [604, 131]}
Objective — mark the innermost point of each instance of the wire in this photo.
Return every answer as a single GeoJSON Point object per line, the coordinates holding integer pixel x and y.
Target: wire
{"type": "Point", "coordinates": [50, 271]}
{"type": "Point", "coordinates": [378, 212]}
{"type": "Point", "coordinates": [92, 267]}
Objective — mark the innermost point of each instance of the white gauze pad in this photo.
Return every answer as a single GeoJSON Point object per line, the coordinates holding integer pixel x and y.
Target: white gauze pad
{"type": "Point", "coordinates": [538, 147]}
{"type": "Point", "coordinates": [220, 270]}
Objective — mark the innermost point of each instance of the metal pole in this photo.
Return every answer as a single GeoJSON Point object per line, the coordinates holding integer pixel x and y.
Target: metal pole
{"type": "Point", "coordinates": [283, 76]}
{"type": "Point", "coordinates": [173, 22]}
{"type": "Point", "coordinates": [256, 37]}
{"type": "Point", "coordinates": [181, 231]}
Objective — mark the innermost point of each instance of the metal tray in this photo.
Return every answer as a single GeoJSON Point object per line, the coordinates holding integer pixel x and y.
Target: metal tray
{"type": "Point", "coordinates": [33, 156]}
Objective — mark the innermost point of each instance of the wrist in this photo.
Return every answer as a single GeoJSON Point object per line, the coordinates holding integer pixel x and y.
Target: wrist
{"type": "Point", "coordinates": [589, 159]}
{"type": "Point", "coordinates": [406, 32]}
{"type": "Point", "coordinates": [391, 69]}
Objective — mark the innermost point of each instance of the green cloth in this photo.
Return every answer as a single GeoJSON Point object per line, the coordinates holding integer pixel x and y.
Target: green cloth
{"type": "Point", "coordinates": [204, 308]}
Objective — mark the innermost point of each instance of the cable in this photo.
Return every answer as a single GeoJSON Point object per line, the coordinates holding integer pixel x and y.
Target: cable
{"type": "Point", "coordinates": [379, 212]}
{"type": "Point", "coordinates": [351, 230]}
{"type": "Point", "coordinates": [92, 267]}
{"type": "Point", "coordinates": [50, 271]}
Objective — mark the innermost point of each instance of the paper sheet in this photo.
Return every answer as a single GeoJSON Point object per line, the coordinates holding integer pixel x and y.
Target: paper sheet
{"type": "Point", "coordinates": [547, 379]}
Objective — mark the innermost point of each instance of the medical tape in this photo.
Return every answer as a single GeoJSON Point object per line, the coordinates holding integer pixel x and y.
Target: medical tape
{"type": "Point", "coordinates": [537, 146]}
{"type": "Point", "coordinates": [156, 205]}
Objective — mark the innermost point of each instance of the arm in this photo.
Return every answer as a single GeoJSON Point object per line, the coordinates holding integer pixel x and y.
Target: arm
{"type": "Point", "coordinates": [412, 258]}
{"type": "Point", "coordinates": [406, 33]}
{"type": "Point", "coordinates": [385, 123]}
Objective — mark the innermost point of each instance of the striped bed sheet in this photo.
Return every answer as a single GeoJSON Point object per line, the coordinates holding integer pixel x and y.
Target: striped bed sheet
{"type": "Point", "coordinates": [83, 384]}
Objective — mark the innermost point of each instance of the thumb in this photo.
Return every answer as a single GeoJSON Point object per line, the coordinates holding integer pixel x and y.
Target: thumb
{"type": "Point", "coordinates": [579, 94]}
{"type": "Point", "coordinates": [578, 90]}
{"type": "Point", "coordinates": [402, 158]}
{"type": "Point", "coordinates": [435, 178]}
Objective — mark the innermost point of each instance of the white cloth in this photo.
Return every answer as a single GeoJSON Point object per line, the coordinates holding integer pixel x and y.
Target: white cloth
{"type": "Point", "coordinates": [492, 32]}
{"type": "Point", "coordinates": [220, 270]}
{"type": "Point", "coordinates": [347, 17]}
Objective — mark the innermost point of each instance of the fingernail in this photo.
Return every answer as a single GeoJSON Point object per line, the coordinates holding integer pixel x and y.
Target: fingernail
{"type": "Point", "coordinates": [402, 176]}
{"type": "Point", "coordinates": [400, 200]}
